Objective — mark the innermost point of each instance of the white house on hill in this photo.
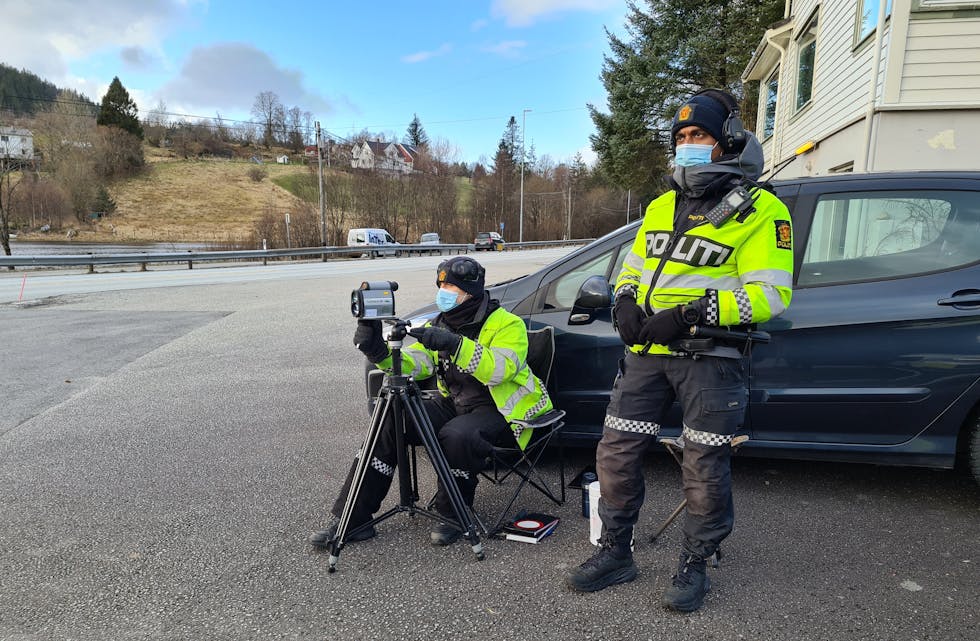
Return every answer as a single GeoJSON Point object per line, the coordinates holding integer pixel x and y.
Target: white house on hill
{"type": "Point", "coordinates": [16, 143]}
{"type": "Point", "coordinates": [877, 84]}
{"type": "Point", "coordinates": [393, 156]}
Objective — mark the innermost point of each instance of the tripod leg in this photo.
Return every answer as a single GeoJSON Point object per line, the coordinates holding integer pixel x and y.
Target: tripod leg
{"type": "Point", "coordinates": [381, 411]}
{"type": "Point", "coordinates": [420, 419]}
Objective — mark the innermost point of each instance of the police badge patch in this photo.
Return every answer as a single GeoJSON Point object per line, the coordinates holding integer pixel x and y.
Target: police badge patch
{"type": "Point", "coordinates": [784, 234]}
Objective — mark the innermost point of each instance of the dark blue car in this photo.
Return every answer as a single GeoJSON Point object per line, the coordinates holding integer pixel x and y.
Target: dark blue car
{"type": "Point", "coordinates": [878, 357]}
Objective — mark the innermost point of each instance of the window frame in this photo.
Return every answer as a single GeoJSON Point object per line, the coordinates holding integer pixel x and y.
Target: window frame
{"type": "Point", "coordinates": [807, 37]}
{"type": "Point", "coordinates": [764, 107]}
{"type": "Point", "coordinates": [859, 37]}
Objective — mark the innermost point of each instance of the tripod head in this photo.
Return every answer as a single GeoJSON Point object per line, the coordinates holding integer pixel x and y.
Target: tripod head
{"type": "Point", "coordinates": [399, 331]}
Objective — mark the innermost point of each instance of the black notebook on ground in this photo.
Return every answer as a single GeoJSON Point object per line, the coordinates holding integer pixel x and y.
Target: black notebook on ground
{"type": "Point", "coordinates": [530, 527]}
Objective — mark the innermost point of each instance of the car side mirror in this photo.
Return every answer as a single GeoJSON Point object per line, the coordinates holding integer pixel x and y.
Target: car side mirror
{"type": "Point", "coordinates": [593, 295]}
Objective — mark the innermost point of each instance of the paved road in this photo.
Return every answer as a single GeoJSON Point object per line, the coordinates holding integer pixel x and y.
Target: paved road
{"type": "Point", "coordinates": [164, 453]}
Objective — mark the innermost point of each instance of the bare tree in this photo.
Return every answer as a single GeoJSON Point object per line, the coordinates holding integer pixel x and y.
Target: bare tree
{"type": "Point", "coordinates": [266, 108]}
{"type": "Point", "coordinates": [7, 187]}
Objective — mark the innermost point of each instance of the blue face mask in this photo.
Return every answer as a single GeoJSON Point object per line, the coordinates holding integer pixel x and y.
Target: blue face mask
{"type": "Point", "coordinates": [691, 155]}
{"type": "Point", "coordinates": [446, 300]}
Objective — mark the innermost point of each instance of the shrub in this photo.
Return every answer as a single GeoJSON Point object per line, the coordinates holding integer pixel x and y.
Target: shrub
{"type": "Point", "coordinates": [256, 174]}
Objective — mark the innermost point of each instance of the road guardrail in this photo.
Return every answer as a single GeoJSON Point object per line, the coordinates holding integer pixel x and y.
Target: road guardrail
{"type": "Point", "coordinates": [190, 257]}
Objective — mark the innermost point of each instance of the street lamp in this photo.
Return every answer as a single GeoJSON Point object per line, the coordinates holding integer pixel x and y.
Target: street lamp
{"type": "Point", "coordinates": [520, 235]}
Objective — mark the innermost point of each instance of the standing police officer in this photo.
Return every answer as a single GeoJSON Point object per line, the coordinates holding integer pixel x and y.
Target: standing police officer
{"type": "Point", "coordinates": [716, 250]}
{"type": "Point", "coordinates": [478, 351]}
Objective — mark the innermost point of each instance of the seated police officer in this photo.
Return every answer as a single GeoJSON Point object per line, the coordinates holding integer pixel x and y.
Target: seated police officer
{"type": "Point", "coordinates": [477, 350]}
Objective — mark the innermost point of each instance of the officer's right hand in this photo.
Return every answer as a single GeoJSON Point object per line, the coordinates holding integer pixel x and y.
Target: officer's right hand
{"type": "Point", "coordinates": [629, 319]}
{"type": "Point", "coordinates": [368, 339]}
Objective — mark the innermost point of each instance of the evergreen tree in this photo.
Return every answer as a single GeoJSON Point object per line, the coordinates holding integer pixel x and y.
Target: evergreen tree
{"type": "Point", "coordinates": [103, 203]}
{"type": "Point", "coordinates": [510, 145]}
{"type": "Point", "coordinates": [119, 110]}
{"type": "Point", "coordinates": [22, 92]}
{"type": "Point", "coordinates": [674, 48]}
{"type": "Point", "coordinates": [416, 135]}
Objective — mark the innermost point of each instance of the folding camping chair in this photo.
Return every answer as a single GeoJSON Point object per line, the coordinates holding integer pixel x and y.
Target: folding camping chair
{"type": "Point", "coordinates": [676, 448]}
{"type": "Point", "coordinates": [509, 459]}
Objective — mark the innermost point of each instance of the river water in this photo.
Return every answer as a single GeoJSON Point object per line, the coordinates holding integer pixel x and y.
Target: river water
{"type": "Point", "coordinates": [29, 248]}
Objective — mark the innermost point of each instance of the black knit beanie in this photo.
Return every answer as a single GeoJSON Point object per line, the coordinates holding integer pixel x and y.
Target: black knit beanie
{"type": "Point", "coordinates": [463, 272]}
{"type": "Point", "coordinates": [705, 112]}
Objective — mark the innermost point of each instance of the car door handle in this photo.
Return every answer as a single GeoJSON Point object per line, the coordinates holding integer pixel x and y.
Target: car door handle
{"type": "Point", "coordinates": [965, 298]}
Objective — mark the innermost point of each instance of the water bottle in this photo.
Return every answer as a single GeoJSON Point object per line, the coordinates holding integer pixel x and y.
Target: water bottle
{"type": "Point", "coordinates": [587, 478]}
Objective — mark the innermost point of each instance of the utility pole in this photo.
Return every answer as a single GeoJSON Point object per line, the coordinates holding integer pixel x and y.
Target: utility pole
{"type": "Point", "coordinates": [319, 162]}
{"type": "Point", "coordinates": [569, 233]}
{"type": "Point", "coordinates": [520, 235]}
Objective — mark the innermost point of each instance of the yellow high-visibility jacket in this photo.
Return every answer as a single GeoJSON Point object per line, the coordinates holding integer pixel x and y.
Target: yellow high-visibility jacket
{"type": "Point", "coordinates": [498, 359]}
{"type": "Point", "coordinates": [749, 264]}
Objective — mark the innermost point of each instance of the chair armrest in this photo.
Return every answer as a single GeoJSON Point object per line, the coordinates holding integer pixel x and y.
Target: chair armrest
{"type": "Point", "coordinates": [547, 419]}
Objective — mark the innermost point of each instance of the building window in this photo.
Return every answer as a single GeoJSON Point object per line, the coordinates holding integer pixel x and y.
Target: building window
{"type": "Point", "coordinates": [769, 110]}
{"type": "Point", "coordinates": [805, 59]}
{"type": "Point", "coordinates": [867, 16]}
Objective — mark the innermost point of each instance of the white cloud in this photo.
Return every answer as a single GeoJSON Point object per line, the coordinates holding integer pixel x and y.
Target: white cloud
{"type": "Point", "coordinates": [46, 36]}
{"type": "Point", "coordinates": [422, 56]}
{"type": "Point", "coordinates": [228, 76]}
{"type": "Point", "coordinates": [479, 24]}
{"type": "Point", "coordinates": [509, 48]}
{"type": "Point", "coordinates": [522, 13]}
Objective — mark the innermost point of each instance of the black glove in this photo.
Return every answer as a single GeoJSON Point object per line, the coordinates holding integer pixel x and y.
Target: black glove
{"type": "Point", "coordinates": [437, 339]}
{"type": "Point", "coordinates": [368, 339]}
{"type": "Point", "coordinates": [629, 319]}
{"type": "Point", "coordinates": [663, 327]}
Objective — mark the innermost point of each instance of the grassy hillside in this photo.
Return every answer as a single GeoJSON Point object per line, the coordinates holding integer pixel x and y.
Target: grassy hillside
{"type": "Point", "coordinates": [206, 201]}
{"type": "Point", "coordinates": [195, 200]}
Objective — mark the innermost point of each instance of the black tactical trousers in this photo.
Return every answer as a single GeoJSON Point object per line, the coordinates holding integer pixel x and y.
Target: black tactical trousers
{"type": "Point", "coordinates": [466, 440]}
{"type": "Point", "coordinates": [713, 396]}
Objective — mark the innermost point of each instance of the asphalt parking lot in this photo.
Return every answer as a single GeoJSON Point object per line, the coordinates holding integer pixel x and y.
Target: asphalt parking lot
{"type": "Point", "coordinates": [164, 454]}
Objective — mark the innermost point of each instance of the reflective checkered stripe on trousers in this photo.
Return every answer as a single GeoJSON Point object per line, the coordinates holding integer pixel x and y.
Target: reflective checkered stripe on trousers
{"type": "Point", "coordinates": [705, 438]}
{"type": "Point", "coordinates": [629, 425]}
{"type": "Point", "coordinates": [461, 474]}
{"type": "Point", "coordinates": [381, 466]}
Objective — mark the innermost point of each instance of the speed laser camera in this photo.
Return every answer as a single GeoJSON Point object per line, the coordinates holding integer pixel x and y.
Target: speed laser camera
{"type": "Point", "coordinates": [374, 300]}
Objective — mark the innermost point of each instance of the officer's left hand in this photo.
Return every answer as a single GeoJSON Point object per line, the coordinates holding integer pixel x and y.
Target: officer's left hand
{"type": "Point", "coordinates": [437, 339]}
{"type": "Point", "coordinates": [663, 327]}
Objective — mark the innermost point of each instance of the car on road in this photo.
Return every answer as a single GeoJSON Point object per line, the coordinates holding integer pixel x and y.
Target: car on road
{"type": "Point", "coordinates": [489, 240]}
{"type": "Point", "coordinates": [877, 358]}
{"type": "Point", "coordinates": [430, 238]}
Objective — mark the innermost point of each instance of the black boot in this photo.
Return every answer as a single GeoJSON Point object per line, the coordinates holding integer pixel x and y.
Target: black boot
{"type": "Point", "coordinates": [444, 534]}
{"type": "Point", "coordinates": [688, 586]}
{"type": "Point", "coordinates": [612, 563]}
{"type": "Point", "coordinates": [322, 538]}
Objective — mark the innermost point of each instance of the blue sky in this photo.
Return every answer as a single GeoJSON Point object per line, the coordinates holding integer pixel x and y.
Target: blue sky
{"type": "Point", "coordinates": [464, 66]}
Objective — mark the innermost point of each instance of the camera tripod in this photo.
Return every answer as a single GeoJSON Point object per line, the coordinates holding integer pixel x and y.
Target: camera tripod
{"type": "Point", "coordinates": [400, 399]}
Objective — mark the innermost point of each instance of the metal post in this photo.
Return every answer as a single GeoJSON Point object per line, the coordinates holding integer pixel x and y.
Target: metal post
{"type": "Point", "coordinates": [520, 234]}
{"type": "Point", "coordinates": [319, 162]}
{"type": "Point", "coordinates": [627, 206]}
{"type": "Point", "coordinates": [289, 244]}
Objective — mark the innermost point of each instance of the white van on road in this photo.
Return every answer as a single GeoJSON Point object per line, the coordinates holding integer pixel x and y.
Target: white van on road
{"type": "Point", "coordinates": [376, 242]}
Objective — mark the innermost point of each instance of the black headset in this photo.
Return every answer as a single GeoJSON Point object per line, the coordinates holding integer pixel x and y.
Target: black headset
{"type": "Point", "coordinates": [733, 136]}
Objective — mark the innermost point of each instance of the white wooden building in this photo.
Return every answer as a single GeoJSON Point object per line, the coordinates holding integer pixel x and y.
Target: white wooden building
{"type": "Point", "coordinates": [878, 84]}
{"type": "Point", "coordinates": [16, 143]}
{"type": "Point", "coordinates": [385, 156]}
